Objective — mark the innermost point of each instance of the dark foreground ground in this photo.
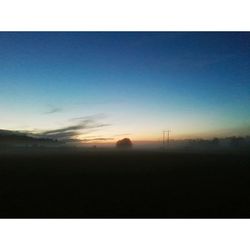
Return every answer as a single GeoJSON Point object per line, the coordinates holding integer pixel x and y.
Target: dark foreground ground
{"type": "Point", "coordinates": [124, 185]}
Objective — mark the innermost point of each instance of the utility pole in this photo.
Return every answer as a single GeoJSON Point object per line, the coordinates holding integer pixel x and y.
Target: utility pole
{"type": "Point", "coordinates": [164, 138]}
{"type": "Point", "coordinates": [168, 131]}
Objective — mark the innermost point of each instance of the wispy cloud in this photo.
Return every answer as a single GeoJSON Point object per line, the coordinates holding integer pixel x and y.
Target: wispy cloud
{"type": "Point", "coordinates": [89, 117]}
{"type": "Point", "coordinates": [82, 125]}
{"type": "Point", "coordinates": [97, 139]}
{"type": "Point", "coordinates": [53, 109]}
{"type": "Point", "coordinates": [79, 126]}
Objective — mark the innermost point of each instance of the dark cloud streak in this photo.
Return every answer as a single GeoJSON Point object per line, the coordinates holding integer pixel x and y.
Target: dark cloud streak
{"type": "Point", "coordinates": [82, 126]}
{"type": "Point", "coordinates": [79, 126]}
{"type": "Point", "coordinates": [97, 139]}
{"type": "Point", "coordinates": [53, 110]}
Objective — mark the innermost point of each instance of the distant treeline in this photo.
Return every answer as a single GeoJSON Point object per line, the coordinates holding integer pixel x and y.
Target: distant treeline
{"type": "Point", "coordinates": [233, 142]}
{"type": "Point", "coordinates": [22, 140]}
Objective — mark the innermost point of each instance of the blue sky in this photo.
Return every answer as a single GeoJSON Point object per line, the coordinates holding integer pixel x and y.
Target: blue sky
{"type": "Point", "coordinates": [196, 84]}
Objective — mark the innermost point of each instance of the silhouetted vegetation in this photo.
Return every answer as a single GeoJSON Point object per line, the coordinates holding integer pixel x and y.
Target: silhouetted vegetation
{"type": "Point", "coordinates": [124, 144]}
{"type": "Point", "coordinates": [219, 144]}
{"type": "Point", "coordinates": [10, 139]}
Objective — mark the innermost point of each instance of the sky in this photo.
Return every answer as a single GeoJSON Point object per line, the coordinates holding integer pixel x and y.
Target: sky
{"type": "Point", "coordinates": [103, 86]}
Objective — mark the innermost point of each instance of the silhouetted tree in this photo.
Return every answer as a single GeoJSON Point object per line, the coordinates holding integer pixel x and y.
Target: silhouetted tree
{"type": "Point", "coordinates": [124, 143]}
{"type": "Point", "coordinates": [215, 142]}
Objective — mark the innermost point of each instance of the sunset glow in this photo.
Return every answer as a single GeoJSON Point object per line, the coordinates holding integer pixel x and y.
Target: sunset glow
{"type": "Point", "coordinates": [104, 86]}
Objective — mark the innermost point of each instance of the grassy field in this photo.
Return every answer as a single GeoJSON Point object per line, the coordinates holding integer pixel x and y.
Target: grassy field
{"type": "Point", "coordinates": [67, 184]}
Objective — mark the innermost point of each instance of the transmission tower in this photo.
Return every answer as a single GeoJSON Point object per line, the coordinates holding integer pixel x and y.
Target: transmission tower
{"type": "Point", "coordinates": [164, 138]}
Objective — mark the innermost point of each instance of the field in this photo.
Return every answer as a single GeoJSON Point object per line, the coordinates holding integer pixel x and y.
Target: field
{"type": "Point", "coordinates": [130, 184]}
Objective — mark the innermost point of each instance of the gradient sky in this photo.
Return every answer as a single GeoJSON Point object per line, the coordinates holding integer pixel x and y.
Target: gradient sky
{"type": "Point", "coordinates": [135, 84]}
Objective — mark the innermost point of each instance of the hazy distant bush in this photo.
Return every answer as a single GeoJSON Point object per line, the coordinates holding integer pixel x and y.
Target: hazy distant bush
{"type": "Point", "coordinates": [124, 143]}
